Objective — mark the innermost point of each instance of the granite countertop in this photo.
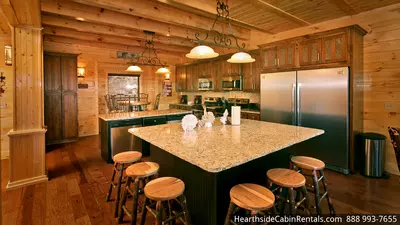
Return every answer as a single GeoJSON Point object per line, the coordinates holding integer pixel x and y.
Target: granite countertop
{"type": "Point", "coordinates": [251, 111]}
{"type": "Point", "coordinates": [222, 147]}
{"type": "Point", "coordinates": [141, 114]}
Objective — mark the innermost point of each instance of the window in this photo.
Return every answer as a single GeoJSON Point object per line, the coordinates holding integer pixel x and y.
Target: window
{"type": "Point", "coordinates": [123, 84]}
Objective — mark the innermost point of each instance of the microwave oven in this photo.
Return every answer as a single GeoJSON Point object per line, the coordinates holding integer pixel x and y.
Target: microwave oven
{"type": "Point", "coordinates": [232, 83]}
{"type": "Point", "coordinates": [205, 84]}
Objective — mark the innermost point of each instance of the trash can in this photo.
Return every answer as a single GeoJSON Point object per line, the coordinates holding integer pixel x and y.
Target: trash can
{"type": "Point", "coordinates": [372, 152]}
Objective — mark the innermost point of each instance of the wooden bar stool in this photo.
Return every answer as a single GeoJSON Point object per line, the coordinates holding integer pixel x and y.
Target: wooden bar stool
{"type": "Point", "coordinates": [163, 191]}
{"type": "Point", "coordinates": [140, 174]}
{"type": "Point", "coordinates": [251, 197]}
{"type": "Point", "coordinates": [294, 183]}
{"type": "Point", "coordinates": [121, 161]}
{"type": "Point", "coordinates": [316, 167]}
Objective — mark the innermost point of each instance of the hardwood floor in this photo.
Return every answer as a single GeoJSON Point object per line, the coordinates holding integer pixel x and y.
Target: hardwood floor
{"type": "Point", "coordinates": [78, 183]}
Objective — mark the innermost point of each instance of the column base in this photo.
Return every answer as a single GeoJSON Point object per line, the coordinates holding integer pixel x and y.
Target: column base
{"type": "Point", "coordinates": [27, 158]}
{"type": "Point", "coordinates": [26, 182]}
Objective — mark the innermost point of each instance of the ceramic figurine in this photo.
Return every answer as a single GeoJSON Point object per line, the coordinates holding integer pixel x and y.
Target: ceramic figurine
{"type": "Point", "coordinates": [189, 122]}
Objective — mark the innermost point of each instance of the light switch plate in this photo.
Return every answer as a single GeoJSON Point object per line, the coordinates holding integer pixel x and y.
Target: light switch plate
{"type": "Point", "coordinates": [388, 106]}
{"type": "Point", "coordinates": [3, 105]}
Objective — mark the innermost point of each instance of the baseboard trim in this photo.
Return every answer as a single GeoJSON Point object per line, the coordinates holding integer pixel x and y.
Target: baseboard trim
{"type": "Point", "coordinates": [26, 182]}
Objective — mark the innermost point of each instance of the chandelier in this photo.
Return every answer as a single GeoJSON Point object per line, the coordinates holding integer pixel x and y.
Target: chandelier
{"type": "Point", "coordinates": [220, 39]}
{"type": "Point", "coordinates": [148, 57]}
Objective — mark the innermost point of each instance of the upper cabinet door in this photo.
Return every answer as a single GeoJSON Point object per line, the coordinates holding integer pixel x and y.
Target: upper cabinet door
{"type": "Point", "coordinates": [310, 52]}
{"type": "Point", "coordinates": [180, 78]}
{"type": "Point", "coordinates": [269, 57]}
{"type": "Point", "coordinates": [191, 77]}
{"type": "Point", "coordinates": [334, 48]}
{"type": "Point", "coordinates": [286, 56]}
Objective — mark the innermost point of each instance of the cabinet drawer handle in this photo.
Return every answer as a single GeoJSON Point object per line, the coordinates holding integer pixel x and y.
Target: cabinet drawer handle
{"type": "Point", "coordinates": [155, 121]}
{"type": "Point", "coordinates": [278, 62]}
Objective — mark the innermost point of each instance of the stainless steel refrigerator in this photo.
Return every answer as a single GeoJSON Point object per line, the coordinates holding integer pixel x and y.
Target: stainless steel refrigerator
{"type": "Point", "coordinates": [316, 99]}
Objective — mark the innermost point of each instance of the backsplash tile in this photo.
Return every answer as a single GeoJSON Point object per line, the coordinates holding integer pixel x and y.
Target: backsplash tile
{"type": "Point", "coordinates": [254, 97]}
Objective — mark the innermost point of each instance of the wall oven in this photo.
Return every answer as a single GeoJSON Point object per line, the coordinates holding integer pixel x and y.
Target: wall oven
{"type": "Point", "coordinates": [205, 84]}
{"type": "Point", "coordinates": [232, 83]}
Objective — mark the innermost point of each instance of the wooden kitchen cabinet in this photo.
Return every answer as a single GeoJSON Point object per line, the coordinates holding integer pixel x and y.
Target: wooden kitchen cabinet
{"type": "Point", "coordinates": [251, 75]}
{"type": "Point", "coordinates": [268, 56]}
{"type": "Point", "coordinates": [286, 56]}
{"type": "Point", "coordinates": [217, 72]}
{"type": "Point", "coordinates": [250, 116]}
{"type": "Point", "coordinates": [310, 52]}
{"type": "Point", "coordinates": [191, 77]}
{"type": "Point", "coordinates": [180, 78]}
{"type": "Point", "coordinates": [334, 48]}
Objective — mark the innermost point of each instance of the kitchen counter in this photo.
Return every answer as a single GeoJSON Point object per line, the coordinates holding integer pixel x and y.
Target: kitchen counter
{"type": "Point", "coordinates": [222, 146]}
{"type": "Point", "coordinates": [141, 114]}
{"type": "Point", "coordinates": [212, 160]}
{"type": "Point", "coordinates": [251, 111]}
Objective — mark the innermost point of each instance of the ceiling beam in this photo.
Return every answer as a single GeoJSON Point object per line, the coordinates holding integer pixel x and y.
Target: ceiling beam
{"type": "Point", "coordinates": [344, 6]}
{"type": "Point", "coordinates": [164, 13]}
{"type": "Point", "coordinates": [98, 44]}
{"type": "Point", "coordinates": [105, 16]}
{"type": "Point", "coordinates": [64, 32]}
{"type": "Point", "coordinates": [89, 27]}
{"type": "Point", "coordinates": [277, 11]}
{"type": "Point", "coordinates": [206, 9]}
{"type": "Point", "coordinates": [21, 12]}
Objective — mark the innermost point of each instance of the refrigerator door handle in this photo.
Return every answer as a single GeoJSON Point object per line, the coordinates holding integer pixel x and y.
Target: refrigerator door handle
{"type": "Point", "coordinates": [298, 104]}
{"type": "Point", "coordinates": [294, 104]}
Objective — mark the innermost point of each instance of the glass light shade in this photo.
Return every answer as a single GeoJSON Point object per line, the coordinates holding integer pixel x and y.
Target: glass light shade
{"type": "Point", "coordinates": [202, 52]}
{"type": "Point", "coordinates": [241, 57]}
{"type": "Point", "coordinates": [81, 72]}
{"type": "Point", "coordinates": [162, 70]}
{"type": "Point", "coordinates": [135, 69]}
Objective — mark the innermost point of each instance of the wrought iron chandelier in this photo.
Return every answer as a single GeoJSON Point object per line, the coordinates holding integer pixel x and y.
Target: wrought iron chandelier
{"type": "Point", "coordinates": [220, 39]}
{"type": "Point", "coordinates": [148, 57]}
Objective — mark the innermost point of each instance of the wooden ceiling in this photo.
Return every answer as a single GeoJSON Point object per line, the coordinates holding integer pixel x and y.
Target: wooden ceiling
{"type": "Point", "coordinates": [119, 23]}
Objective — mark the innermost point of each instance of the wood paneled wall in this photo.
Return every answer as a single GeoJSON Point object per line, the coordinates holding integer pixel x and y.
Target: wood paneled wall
{"type": "Point", "coordinates": [6, 101]}
{"type": "Point", "coordinates": [381, 68]}
{"type": "Point", "coordinates": [98, 64]}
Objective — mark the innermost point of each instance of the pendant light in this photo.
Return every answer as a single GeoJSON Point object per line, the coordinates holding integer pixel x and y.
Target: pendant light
{"type": "Point", "coordinates": [148, 57]}
{"type": "Point", "coordinates": [134, 69]}
{"type": "Point", "coordinates": [202, 52]}
{"type": "Point", "coordinates": [220, 39]}
{"type": "Point", "coordinates": [241, 57]}
{"type": "Point", "coordinates": [162, 70]}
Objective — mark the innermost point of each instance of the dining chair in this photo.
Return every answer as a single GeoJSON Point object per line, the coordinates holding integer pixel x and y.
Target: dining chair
{"type": "Point", "coordinates": [122, 102]}
{"type": "Point", "coordinates": [395, 139]}
{"type": "Point", "coordinates": [143, 97]}
{"type": "Point", "coordinates": [109, 103]}
{"type": "Point", "coordinates": [157, 102]}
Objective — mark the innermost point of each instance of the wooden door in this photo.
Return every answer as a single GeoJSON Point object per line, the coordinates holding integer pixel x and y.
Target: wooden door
{"type": "Point", "coordinates": [285, 56]}
{"type": "Point", "coordinates": [69, 97]}
{"type": "Point", "coordinates": [52, 98]}
{"type": "Point", "coordinates": [69, 115]}
{"type": "Point", "coordinates": [310, 52]}
{"type": "Point", "coordinates": [334, 48]}
{"type": "Point", "coordinates": [268, 56]}
{"type": "Point", "coordinates": [60, 97]}
{"type": "Point", "coordinates": [180, 78]}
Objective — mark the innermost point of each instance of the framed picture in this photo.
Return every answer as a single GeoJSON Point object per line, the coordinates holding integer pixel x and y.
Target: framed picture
{"type": "Point", "coordinates": [8, 55]}
{"type": "Point", "coordinates": [167, 88]}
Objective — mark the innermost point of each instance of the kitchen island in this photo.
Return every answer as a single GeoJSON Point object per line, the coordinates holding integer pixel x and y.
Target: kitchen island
{"type": "Point", "coordinates": [114, 127]}
{"type": "Point", "coordinates": [212, 160]}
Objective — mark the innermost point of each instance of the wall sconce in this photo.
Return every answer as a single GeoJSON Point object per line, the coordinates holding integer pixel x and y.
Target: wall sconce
{"type": "Point", "coordinates": [8, 55]}
{"type": "Point", "coordinates": [81, 72]}
{"type": "Point", "coordinates": [167, 76]}
{"type": "Point", "coordinates": [81, 77]}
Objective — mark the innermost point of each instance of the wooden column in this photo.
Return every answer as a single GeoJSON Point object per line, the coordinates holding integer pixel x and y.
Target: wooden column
{"type": "Point", "coordinates": [27, 138]}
